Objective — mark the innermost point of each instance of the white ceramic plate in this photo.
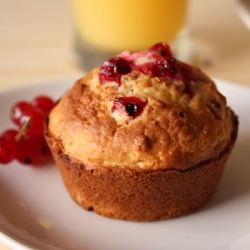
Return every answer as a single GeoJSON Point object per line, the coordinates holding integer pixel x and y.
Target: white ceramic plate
{"type": "Point", "coordinates": [36, 211]}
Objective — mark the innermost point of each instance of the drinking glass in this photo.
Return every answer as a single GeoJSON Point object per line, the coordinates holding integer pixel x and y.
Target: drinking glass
{"type": "Point", "coordinates": [104, 28]}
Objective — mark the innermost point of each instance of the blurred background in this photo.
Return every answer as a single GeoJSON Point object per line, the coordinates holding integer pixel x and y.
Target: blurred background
{"type": "Point", "coordinates": [38, 37]}
{"type": "Point", "coordinates": [37, 41]}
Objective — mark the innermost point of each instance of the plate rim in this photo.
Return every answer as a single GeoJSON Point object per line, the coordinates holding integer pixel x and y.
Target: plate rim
{"type": "Point", "coordinates": [11, 242]}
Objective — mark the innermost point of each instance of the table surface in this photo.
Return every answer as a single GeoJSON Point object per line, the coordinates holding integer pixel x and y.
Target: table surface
{"type": "Point", "coordinates": [36, 42]}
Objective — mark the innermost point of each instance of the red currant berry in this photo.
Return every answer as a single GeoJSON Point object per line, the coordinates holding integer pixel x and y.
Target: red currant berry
{"type": "Point", "coordinates": [113, 69]}
{"type": "Point", "coordinates": [25, 115]}
{"type": "Point", "coordinates": [10, 134]}
{"type": "Point", "coordinates": [28, 151]}
{"type": "Point", "coordinates": [162, 48]}
{"type": "Point", "coordinates": [43, 103]}
{"type": "Point", "coordinates": [18, 112]}
{"type": "Point", "coordinates": [35, 125]}
{"type": "Point", "coordinates": [8, 145]}
{"type": "Point", "coordinates": [164, 67]}
{"type": "Point", "coordinates": [7, 151]}
{"type": "Point", "coordinates": [132, 105]}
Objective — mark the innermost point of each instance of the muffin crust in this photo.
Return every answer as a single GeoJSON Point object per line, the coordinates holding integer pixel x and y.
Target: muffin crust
{"type": "Point", "coordinates": [175, 131]}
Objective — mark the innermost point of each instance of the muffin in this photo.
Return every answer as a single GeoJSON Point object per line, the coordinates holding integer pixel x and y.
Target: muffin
{"type": "Point", "coordinates": [142, 137]}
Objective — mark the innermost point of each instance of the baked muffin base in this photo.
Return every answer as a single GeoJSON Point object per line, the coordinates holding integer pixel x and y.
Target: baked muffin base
{"type": "Point", "coordinates": [141, 195]}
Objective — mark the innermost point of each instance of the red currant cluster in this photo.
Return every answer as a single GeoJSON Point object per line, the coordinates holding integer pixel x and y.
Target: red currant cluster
{"type": "Point", "coordinates": [27, 143]}
{"type": "Point", "coordinates": [157, 61]}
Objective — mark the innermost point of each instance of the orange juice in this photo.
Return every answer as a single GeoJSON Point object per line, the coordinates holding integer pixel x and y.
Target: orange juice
{"type": "Point", "coordinates": [116, 25]}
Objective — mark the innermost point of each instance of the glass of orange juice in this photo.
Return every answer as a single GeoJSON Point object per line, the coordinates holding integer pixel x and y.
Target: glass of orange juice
{"type": "Point", "coordinates": [106, 27]}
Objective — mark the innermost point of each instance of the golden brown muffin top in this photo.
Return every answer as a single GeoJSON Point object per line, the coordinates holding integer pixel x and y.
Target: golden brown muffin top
{"type": "Point", "coordinates": [142, 110]}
